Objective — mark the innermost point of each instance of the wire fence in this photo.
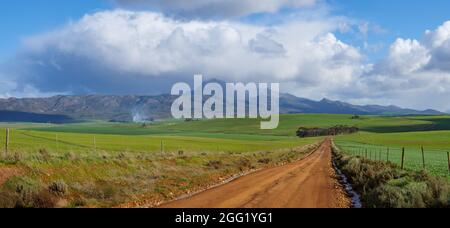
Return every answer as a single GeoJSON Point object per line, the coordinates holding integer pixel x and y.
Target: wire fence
{"type": "Point", "coordinates": [434, 160]}
{"type": "Point", "coordinates": [27, 143]}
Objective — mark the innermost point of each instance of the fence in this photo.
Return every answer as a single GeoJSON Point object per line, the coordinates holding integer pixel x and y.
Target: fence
{"type": "Point", "coordinates": [433, 160]}
{"type": "Point", "coordinates": [29, 142]}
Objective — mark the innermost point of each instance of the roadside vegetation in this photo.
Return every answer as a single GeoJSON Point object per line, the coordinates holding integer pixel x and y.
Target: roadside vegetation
{"type": "Point", "coordinates": [389, 147]}
{"type": "Point", "coordinates": [384, 185]}
{"type": "Point", "coordinates": [103, 170]}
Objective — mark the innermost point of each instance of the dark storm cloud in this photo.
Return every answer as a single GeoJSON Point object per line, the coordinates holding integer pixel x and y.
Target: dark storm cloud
{"type": "Point", "coordinates": [215, 8]}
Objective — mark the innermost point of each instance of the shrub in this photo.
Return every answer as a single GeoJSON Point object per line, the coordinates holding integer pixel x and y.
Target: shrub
{"type": "Point", "coordinates": [58, 188]}
{"type": "Point", "coordinates": [13, 159]}
{"type": "Point", "coordinates": [304, 132]}
{"type": "Point", "coordinates": [121, 156]}
{"type": "Point", "coordinates": [384, 185]}
{"type": "Point", "coordinates": [8, 199]}
{"type": "Point", "coordinates": [265, 160]}
{"type": "Point", "coordinates": [214, 164]}
{"type": "Point", "coordinates": [78, 202]}
{"type": "Point", "coordinates": [44, 155]}
{"type": "Point", "coordinates": [71, 156]}
{"type": "Point", "coordinates": [27, 198]}
{"type": "Point", "coordinates": [244, 164]}
{"type": "Point", "coordinates": [43, 199]}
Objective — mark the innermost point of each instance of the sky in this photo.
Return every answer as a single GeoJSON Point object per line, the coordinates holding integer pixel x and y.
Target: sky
{"type": "Point", "coordinates": [363, 52]}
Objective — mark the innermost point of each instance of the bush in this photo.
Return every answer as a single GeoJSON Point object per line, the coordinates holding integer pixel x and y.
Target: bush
{"type": "Point", "coordinates": [58, 188]}
{"type": "Point", "coordinates": [265, 160]}
{"type": "Point", "coordinates": [214, 164]}
{"type": "Point", "coordinates": [45, 155]}
{"type": "Point", "coordinates": [78, 201]}
{"type": "Point", "coordinates": [384, 185]}
{"type": "Point", "coordinates": [244, 164]}
{"type": "Point", "coordinates": [8, 199]}
{"type": "Point", "coordinates": [13, 159]}
{"type": "Point", "coordinates": [27, 198]}
{"type": "Point", "coordinates": [71, 156]}
{"type": "Point", "coordinates": [43, 199]}
{"type": "Point", "coordinates": [304, 132]}
{"type": "Point", "coordinates": [22, 192]}
{"type": "Point", "coordinates": [121, 156]}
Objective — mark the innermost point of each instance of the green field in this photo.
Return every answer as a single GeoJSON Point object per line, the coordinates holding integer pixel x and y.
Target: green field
{"type": "Point", "coordinates": [389, 147]}
{"type": "Point", "coordinates": [243, 135]}
{"type": "Point", "coordinates": [287, 127]}
{"type": "Point", "coordinates": [109, 164]}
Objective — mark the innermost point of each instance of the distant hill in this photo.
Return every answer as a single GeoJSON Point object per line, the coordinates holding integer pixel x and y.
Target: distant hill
{"type": "Point", "coordinates": [293, 104]}
{"type": "Point", "coordinates": [139, 108]}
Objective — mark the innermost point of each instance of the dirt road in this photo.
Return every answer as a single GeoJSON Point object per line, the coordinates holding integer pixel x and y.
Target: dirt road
{"type": "Point", "coordinates": [309, 183]}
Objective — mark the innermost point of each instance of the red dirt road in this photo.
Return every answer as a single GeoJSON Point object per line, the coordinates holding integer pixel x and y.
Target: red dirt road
{"type": "Point", "coordinates": [309, 183]}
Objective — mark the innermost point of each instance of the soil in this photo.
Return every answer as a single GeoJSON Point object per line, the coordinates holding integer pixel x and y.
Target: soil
{"type": "Point", "coordinates": [309, 183]}
{"type": "Point", "coordinates": [8, 172]}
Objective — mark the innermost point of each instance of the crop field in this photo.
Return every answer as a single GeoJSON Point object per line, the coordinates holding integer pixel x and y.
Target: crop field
{"type": "Point", "coordinates": [101, 164]}
{"type": "Point", "coordinates": [288, 125]}
{"type": "Point", "coordinates": [113, 164]}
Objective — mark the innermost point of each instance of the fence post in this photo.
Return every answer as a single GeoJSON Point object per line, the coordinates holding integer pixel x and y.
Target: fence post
{"type": "Point", "coordinates": [423, 158]}
{"type": "Point", "coordinates": [366, 153]}
{"type": "Point", "coordinates": [7, 142]}
{"type": "Point", "coordinates": [448, 158]}
{"type": "Point", "coordinates": [403, 158]}
{"type": "Point", "coordinates": [57, 144]}
{"type": "Point", "coordinates": [379, 155]}
{"type": "Point", "coordinates": [162, 147]}
{"type": "Point", "coordinates": [95, 144]}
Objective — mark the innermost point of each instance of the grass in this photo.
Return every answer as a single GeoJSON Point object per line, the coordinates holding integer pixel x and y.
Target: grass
{"type": "Point", "coordinates": [110, 165]}
{"type": "Point", "coordinates": [126, 179]}
{"type": "Point", "coordinates": [288, 125]}
{"type": "Point", "coordinates": [384, 185]}
{"type": "Point", "coordinates": [435, 143]}
{"type": "Point", "coordinates": [121, 164]}
{"type": "Point", "coordinates": [28, 142]}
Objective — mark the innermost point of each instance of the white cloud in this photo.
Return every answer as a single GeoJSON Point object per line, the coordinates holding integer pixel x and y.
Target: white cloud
{"type": "Point", "coordinates": [216, 8]}
{"type": "Point", "coordinates": [438, 42]}
{"type": "Point", "coordinates": [128, 52]}
{"type": "Point", "coordinates": [414, 74]}
{"type": "Point", "coordinates": [406, 57]}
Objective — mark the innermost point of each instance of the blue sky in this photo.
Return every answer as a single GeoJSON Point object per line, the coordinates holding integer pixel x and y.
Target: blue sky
{"type": "Point", "coordinates": [398, 18]}
{"type": "Point", "coordinates": [359, 51]}
{"type": "Point", "coordinates": [22, 18]}
{"type": "Point", "coordinates": [407, 18]}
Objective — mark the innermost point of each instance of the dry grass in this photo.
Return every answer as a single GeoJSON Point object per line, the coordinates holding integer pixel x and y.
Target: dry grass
{"type": "Point", "coordinates": [129, 179]}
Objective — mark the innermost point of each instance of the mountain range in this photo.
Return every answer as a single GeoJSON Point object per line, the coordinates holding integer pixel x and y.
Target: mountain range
{"type": "Point", "coordinates": [128, 108]}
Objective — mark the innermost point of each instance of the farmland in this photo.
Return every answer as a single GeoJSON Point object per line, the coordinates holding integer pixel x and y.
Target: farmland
{"type": "Point", "coordinates": [388, 147]}
{"type": "Point", "coordinates": [128, 164]}
{"type": "Point", "coordinates": [102, 164]}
